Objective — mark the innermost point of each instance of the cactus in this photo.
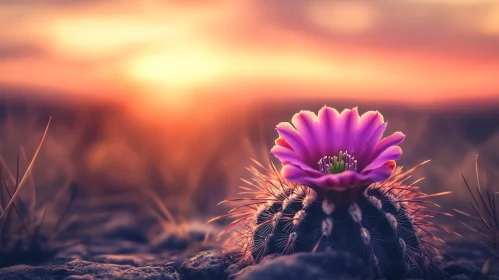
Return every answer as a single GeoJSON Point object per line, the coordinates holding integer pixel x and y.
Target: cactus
{"type": "Point", "coordinates": [385, 224]}
{"type": "Point", "coordinates": [381, 219]}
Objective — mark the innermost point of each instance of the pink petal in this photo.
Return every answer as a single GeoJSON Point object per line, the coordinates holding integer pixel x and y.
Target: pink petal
{"type": "Point", "coordinates": [392, 153]}
{"type": "Point", "coordinates": [297, 174]}
{"type": "Point", "coordinates": [387, 142]}
{"type": "Point", "coordinates": [292, 137]}
{"type": "Point", "coordinates": [366, 155]}
{"type": "Point", "coordinates": [307, 124]}
{"type": "Point", "coordinates": [329, 119]}
{"type": "Point", "coordinates": [287, 156]}
{"type": "Point", "coordinates": [381, 173]}
{"type": "Point", "coordinates": [368, 123]}
{"type": "Point", "coordinates": [284, 154]}
{"type": "Point", "coordinates": [281, 142]}
{"type": "Point", "coordinates": [341, 181]}
{"type": "Point", "coordinates": [350, 127]}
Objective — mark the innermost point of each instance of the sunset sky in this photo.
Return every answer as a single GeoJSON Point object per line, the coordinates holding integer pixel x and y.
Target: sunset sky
{"type": "Point", "coordinates": [207, 81]}
{"type": "Point", "coordinates": [169, 53]}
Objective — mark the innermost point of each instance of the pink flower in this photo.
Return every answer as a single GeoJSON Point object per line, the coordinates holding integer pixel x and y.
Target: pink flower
{"type": "Point", "coordinates": [335, 152]}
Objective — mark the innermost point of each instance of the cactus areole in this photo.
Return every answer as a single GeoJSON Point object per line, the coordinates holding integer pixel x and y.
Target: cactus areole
{"type": "Point", "coordinates": [338, 189]}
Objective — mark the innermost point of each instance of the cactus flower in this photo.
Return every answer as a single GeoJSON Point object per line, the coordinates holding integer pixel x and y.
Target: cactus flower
{"type": "Point", "coordinates": [336, 152]}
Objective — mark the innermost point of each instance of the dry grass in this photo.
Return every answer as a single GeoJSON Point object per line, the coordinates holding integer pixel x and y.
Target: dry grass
{"type": "Point", "coordinates": [21, 236]}
{"type": "Point", "coordinates": [485, 216]}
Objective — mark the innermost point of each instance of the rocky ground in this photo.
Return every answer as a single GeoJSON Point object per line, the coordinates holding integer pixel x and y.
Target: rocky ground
{"type": "Point", "coordinates": [127, 254]}
{"type": "Point", "coordinates": [213, 265]}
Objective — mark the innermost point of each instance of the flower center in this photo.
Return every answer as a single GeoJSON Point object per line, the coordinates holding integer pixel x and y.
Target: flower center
{"type": "Point", "coordinates": [337, 164]}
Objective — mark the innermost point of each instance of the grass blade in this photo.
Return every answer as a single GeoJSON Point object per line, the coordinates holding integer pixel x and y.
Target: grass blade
{"type": "Point", "coordinates": [28, 171]}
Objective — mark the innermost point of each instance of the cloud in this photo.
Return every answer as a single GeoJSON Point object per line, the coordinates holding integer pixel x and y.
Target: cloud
{"type": "Point", "coordinates": [453, 28]}
{"type": "Point", "coordinates": [16, 51]}
{"type": "Point", "coordinates": [181, 49]}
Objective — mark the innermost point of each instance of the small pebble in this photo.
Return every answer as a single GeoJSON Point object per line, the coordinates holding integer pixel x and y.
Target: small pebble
{"type": "Point", "coordinates": [205, 266]}
{"type": "Point", "coordinates": [317, 266]}
{"type": "Point", "coordinates": [462, 267]}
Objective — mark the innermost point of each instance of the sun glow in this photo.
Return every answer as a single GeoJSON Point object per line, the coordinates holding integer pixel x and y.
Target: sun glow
{"type": "Point", "coordinates": [170, 54]}
{"type": "Point", "coordinates": [177, 69]}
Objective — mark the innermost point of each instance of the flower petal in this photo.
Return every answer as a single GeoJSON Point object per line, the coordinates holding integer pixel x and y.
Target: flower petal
{"type": "Point", "coordinates": [369, 122]}
{"type": "Point", "coordinates": [350, 127]}
{"type": "Point", "coordinates": [329, 119]}
{"type": "Point", "coordinates": [297, 174]}
{"type": "Point", "coordinates": [341, 181]}
{"type": "Point", "coordinates": [307, 124]}
{"type": "Point", "coordinates": [366, 155]}
{"type": "Point", "coordinates": [392, 153]}
{"type": "Point", "coordinates": [387, 142]}
{"type": "Point", "coordinates": [287, 156]}
{"type": "Point", "coordinates": [381, 173]}
{"type": "Point", "coordinates": [292, 137]}
{"type": "Point", "coordinates": [281, 142]}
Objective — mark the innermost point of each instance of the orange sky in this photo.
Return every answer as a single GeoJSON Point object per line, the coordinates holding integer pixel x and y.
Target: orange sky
{"type": "Point", "coordinates": [168, 53]}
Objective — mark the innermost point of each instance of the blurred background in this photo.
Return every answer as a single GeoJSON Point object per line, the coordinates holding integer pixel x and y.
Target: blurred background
{"type": "Point", "coordinates": [176, 96]}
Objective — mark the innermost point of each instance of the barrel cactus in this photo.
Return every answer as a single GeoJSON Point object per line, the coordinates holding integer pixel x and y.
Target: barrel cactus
{"type": "Point", "coordinates": [338, 189]}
